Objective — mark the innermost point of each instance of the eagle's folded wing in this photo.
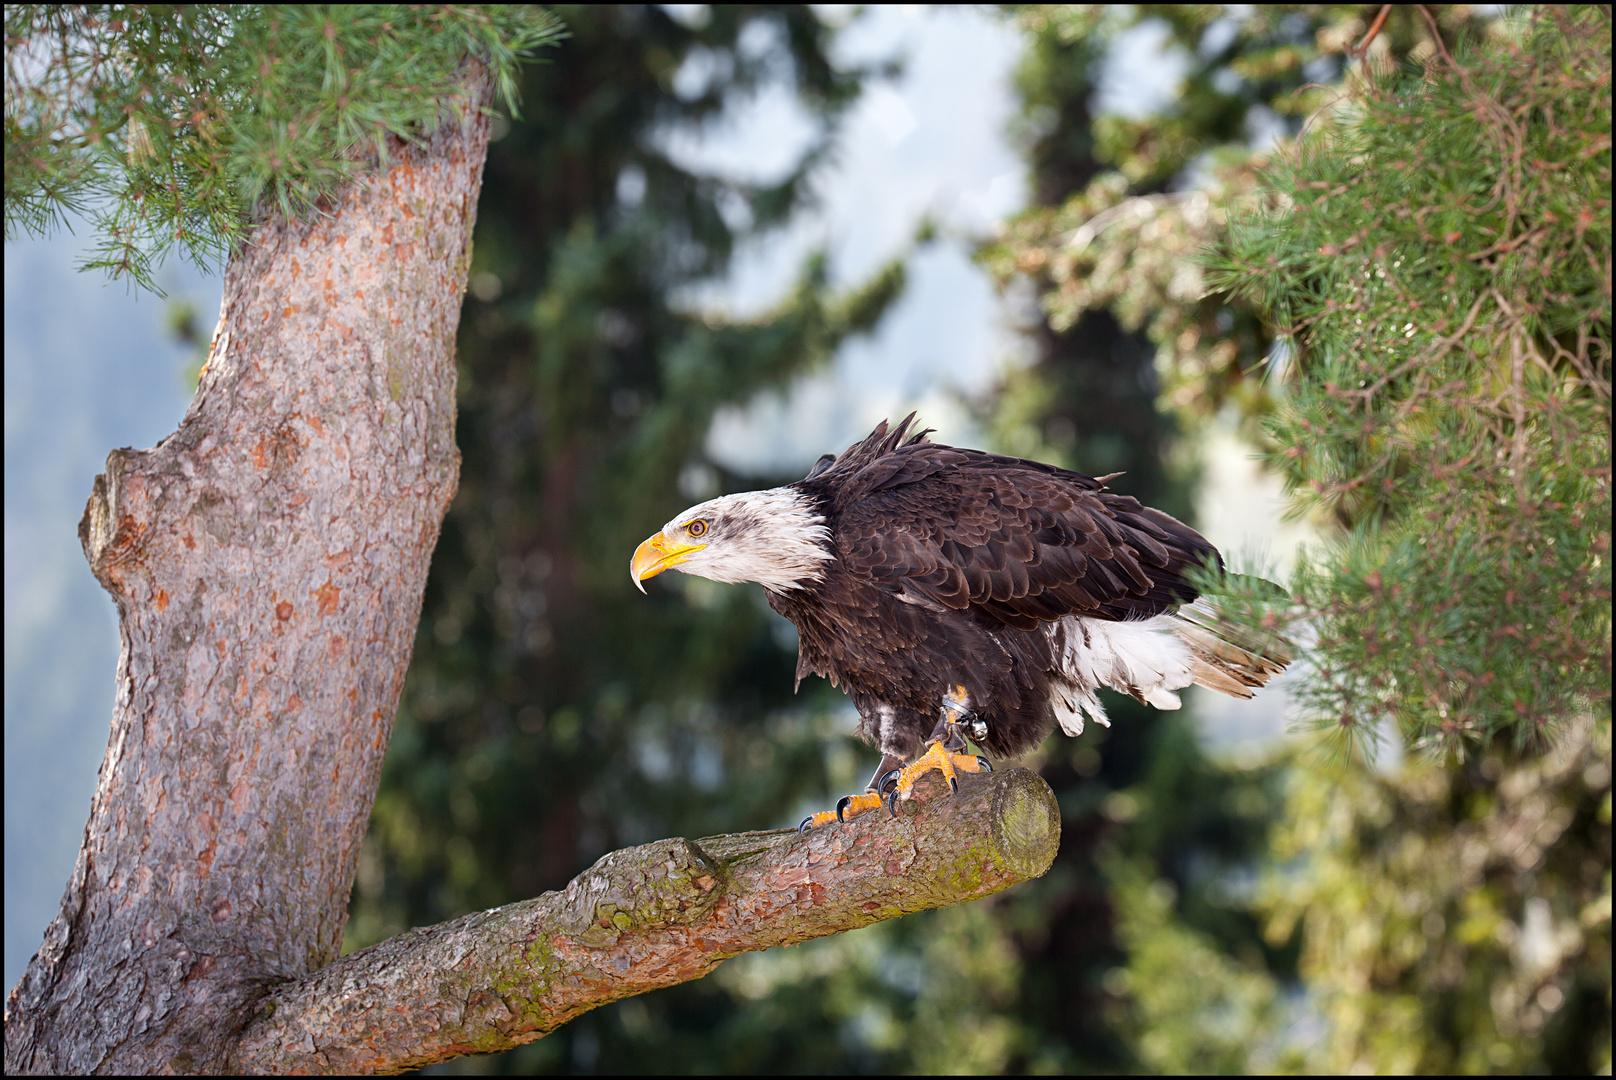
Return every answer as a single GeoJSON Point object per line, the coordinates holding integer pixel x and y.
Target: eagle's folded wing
{"type": "Point", "coordinates": [968, 530]}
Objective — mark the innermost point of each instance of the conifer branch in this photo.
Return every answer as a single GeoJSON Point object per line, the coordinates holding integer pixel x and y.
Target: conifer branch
{"type": "Point", "coordinates": [1361, 50]}
{"type": "Point", "coordinates": [647, 917]}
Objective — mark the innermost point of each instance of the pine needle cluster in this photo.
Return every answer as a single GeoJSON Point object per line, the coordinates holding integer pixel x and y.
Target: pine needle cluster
{"type": "Point", "coordinates": [178, 125]}
{"type": "Point", "coordinates": [1436, 251]}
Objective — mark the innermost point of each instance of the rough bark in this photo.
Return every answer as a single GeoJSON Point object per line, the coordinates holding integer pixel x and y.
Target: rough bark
{"type": "Point", "coordinates": [644, 918]}
{"type": "Point", "coordinates": [267, 561]}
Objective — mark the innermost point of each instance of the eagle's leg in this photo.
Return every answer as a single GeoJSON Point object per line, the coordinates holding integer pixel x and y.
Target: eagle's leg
{"type": "Point", "coordinates": [945, 749]}
{"type": "Point", "coordinates": [853, 805]}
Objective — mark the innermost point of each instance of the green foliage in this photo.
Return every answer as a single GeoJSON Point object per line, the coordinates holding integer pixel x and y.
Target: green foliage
{"type": "Point", "coordinates": [1439, 255]}
{"type": "Point", "coordinates": [1436, 253]}
{"type": "Point", "coordinates": [1455, 920]}
{"type": "Point", "coordinates": [1443, 916]}
{"type": "Point", "coordinates": [1192, 984]}
{"type": "Point", "coordinates": [179, 124]}
{"type": "Point", "coordinates": [1120, 239]}
{"type": "Point", "coordinates": [1443, 921]}
{"type": "Point", "coordinates": [1190, 1007]}
{"type": "Point", "coordinates": [1120, 206]}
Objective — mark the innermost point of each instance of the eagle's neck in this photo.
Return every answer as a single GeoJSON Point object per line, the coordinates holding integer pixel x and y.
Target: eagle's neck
{"type": "Point", "coordinates": [782, 540]}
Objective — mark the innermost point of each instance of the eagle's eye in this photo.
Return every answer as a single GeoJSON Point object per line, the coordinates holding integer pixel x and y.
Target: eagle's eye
{"type": "Point", "coordinates": [696, 528]}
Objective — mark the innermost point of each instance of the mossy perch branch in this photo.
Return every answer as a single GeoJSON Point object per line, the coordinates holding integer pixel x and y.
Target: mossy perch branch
{"type": "Point", "coordinates": [647, 917]}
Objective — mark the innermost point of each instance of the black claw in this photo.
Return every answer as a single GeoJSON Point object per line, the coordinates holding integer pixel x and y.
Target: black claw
{"type": "Point", "coordinates": [892, 804]}
{"type": "Point", "coordinates": [954, 783]}
{"type": "Point", "coordinates": [890, 776]}
{"type": "Point", "coordinates": [987, 766]}
{"type": "Point", "coordinates": [802, 826]}
{"type": "Point", "coordinates": [841, 807]}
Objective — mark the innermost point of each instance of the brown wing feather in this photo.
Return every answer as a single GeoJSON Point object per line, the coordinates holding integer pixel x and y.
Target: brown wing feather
{"type": "Point", "coordinates": [1017, 541]}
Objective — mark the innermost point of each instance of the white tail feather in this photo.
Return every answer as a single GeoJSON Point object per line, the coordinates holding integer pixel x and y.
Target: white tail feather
{"type": "Point", "coordinates": [1149, 659]}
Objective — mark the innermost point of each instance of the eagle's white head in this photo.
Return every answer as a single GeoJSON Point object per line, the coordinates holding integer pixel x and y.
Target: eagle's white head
{"type": "Point", "coordinates": [774, 537]}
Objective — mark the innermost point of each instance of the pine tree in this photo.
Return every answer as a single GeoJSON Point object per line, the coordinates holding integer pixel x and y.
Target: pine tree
{"type": "Point", "coordinates": [1438, 253]}
{"type": "Point", "coordinates": [1434, 256]}
{"type": "Point", "coordinates": [268, 558]}
{"type": "Point", "coordinates": [1121, 206]}
{"type": "Point", "coordinates": [182, 127]}
{"type": "Point", "coordinates": [1423, 936]}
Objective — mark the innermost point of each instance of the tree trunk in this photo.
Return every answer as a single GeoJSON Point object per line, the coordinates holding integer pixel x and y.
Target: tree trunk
{"type": "Point", "coordinates": [267, 561]}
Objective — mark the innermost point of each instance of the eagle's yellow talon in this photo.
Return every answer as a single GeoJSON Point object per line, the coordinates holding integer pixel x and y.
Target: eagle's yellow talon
{"type": "Point", "coordinates": [847, 807]}
{"type": "Point", "coordinates": [854, 805]}
{"type": "Point", "coordinates": [935, 758]}
{"type": "Point", "coordinates": [814, 821]}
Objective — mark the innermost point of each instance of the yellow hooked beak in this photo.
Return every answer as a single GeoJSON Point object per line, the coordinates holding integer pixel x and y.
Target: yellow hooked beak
{"type": "Point", "coordinates": [656, 555]}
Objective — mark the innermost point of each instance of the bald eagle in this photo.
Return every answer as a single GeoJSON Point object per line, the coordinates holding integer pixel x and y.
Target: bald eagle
{"type": "Point", "coordinates": [956, 594]}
